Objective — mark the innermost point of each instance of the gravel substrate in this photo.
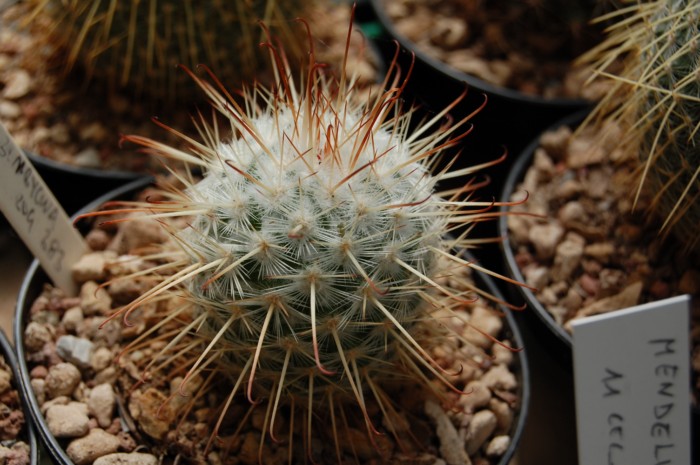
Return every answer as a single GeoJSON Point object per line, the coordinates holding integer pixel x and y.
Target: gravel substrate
{"type": "Point", "coordinates": [590, 250]}
{"type": "Point", "coordinates": [83, 396]}
{"type": "Point", "coordinates": [14, 447]}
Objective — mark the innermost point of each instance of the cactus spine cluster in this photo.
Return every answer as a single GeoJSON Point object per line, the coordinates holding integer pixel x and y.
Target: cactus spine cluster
{"type": "Point", "coordinates": [656, 93]}
{"type": "Point", "coordinates": [138, 44]}
{"type": "Point", "coordinates": [315, 246]}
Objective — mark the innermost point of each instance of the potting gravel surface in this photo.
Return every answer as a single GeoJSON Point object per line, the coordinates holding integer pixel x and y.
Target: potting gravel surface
{"type": "Point", "coordinates": [14, 448]}
{"type": "Point", "coordinates": [82, 390]}
{"type": "Point", "coordinates": [508, 44]}
{"type": "Point", "coordinates": [592, 250]}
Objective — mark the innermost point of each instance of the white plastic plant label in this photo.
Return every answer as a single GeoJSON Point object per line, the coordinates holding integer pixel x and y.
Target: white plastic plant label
{"type": "Point", "coordinates": [36, 216]}
{"type": "Point", "coordinates": [632, 382]}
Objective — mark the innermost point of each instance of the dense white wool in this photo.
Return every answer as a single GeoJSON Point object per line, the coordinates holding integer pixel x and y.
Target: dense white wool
{"type": "Point", "coordinates": [318, 219]}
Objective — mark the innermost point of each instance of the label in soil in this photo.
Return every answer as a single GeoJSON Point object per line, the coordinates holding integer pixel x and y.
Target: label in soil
{"type": "Point", "coordinates": [632, 381]}
{"type": "Point", "coordinates": [36, 216]}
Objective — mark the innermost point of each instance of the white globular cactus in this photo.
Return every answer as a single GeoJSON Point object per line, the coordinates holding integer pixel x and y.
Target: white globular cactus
{"type": "Point", "coordinates": [316, 246]}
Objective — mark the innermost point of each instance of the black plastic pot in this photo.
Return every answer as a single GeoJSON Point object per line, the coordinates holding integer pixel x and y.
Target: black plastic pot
{"type": "Point", "coordinates": [75, 186]}
{"type": "Point", "coordinates": [29, 434]}
{"type": "Point", "coordinates": [553, 337]}
{"type": "Point", "coordinates": [512, 333]}
{"type": "Point", "coordinates": [510, 118]}
{"type": "Point", "coordinates": [35, 279]}
{"type": "Point", "coordinates": [31, 288]}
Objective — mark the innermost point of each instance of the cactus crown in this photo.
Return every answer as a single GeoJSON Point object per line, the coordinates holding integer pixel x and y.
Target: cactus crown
{"type": "Point", "coordinates": [656, 94]}
{"type": "Point", "coordinates": [315, 244]}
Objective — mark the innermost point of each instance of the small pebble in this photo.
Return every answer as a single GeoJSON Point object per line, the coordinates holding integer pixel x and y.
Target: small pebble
{"type": "Point", "coordinates": [121, 458]}
{"type": "Point", "coordinates": [101, 404]}
{"type": "Point", "coordinates": [85, 450]}
{"type": "Point", "coordinates": [62, 380]}
{"type": "Point", "coordinates": [482, 425]}
{"type": "Point", "coordinates": [451, 445]}
{"type": "Point", "coordinates": [18, 83]}
{"type": "Point", "coordinates": [72, 318]}
{"type": "Point", "coordinates": [68, 421]}
{"type": "Point", "coordinates": [9, 110]}
{"type": "Point", "coordinates": [498, 446]}
{"type": "Point", "coordinates": [476, 395]}
{"type": "Point", "coordinates": [500, 378]}
{"type": "Point", "coordinates": [95, 300]}
{"type": "Point", "coordinates": [75, 350]}
{"type": "Point", "coordinates": [545, 238]}
{"type": "Point", "coordinates": [36, 335]}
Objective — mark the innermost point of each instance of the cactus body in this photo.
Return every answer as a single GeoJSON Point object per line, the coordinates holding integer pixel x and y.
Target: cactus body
{"type": "Point", "coordinates": [656, 94]}
{"type": "Point", "coordinates": [315, 245]}
{"type": "Point", "coordinates": [320, 261]}
{"type": "Point", "coordinates": [138, 44]}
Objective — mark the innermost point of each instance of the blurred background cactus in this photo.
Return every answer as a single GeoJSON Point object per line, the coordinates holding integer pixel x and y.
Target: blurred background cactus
{"type": "Point", "coordinates": [651, 57]}
{"type": "Point", "coordinates": [138, 44]}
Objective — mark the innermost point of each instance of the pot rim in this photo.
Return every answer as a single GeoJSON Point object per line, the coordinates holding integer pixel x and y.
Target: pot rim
{"type": "Point", "coordinates": [31, 280]}
{"type": "Point", "coordinates": [35, 276]}
{"type": "Point", "coordinates": [106, 174]}
{"type": "Point", "coordinates": [515, 175]}
{"type": "Point", "coordinates": [470, 80]}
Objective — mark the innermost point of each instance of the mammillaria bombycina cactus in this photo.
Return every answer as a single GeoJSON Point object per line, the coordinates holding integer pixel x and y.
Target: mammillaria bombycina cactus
{"type": "Point", "coordinates": [311, 256]}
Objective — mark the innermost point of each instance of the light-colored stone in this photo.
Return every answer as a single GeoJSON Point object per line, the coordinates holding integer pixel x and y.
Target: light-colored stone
{"type": "Point", "coordinates": [72, 318]}
{"type": "Point", "coordinates": [572, 213]}
{"type": "Point", "coordinates": [101, 404]}
{"type": "Point", "coordinates": [9, 110]}
{"type": "Point", "coordinates": [543, 164]}
{"type": "Point", "coordinates": [121, 458]}
{"type": "Point", "coordinates": [150, 409]}
{"type": "Point", "coordinates": [88, 158]}
{"type": "Point", "coordinates": [567, 258]}
{"type": "Point", "coordinates": [135, 234]}
{"type": "Point", "coordinates": [451, 445]}
{"type": "Point", "coordinates": [629, 297]}
{"type": "Point", "coordinates": [499, 377]}
{"type": "Point", "coordinates": [545, 238]}
{"type": "Point", "coordinates": [95, 300]}
{"type": "Point", "coordinates": [68, 421]}
{"type": "Point", "coordinates": [91, 266]}
{"type": "Point", "coordinates": [504, 414]}
{"type": "Point", "coordinates": [98, 443]}
{"type": "Point", "coordinates": [484, 322]}
{"type": "Point", "coordinates": [39, 389]}
{"type": "Point", "coordinates": [101, 359]}
{"type": "Point", "coordinates": [498, 446]}
{"type": "Point", "coordinates": [536, 276]}
{"type": "Point", "coordinates": [583, 152]}
{"type": "Point", "coordinates": [555, 142]}
{"type": "Point", "coordinates": [36, 335]}
{"type": "Point", "coordinates": [476, 395]}
{"type": "Point", "coordinates": [18, 83]}
{"type": "Point", "coordinates": [75, 350]}
{"type": "Point", "coordinates": [599, 250]}
{"type": "Point", "coordinates": [62, 379]}
{"type": "Point", "coordinates": [480, 428]}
